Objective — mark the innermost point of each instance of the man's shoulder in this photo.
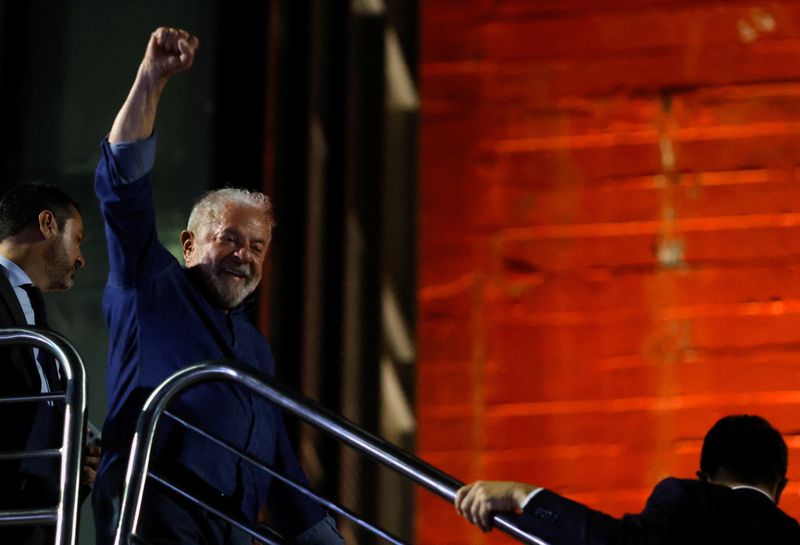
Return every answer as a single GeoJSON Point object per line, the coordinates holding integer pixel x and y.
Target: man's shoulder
{"type": "Point", "coordinates": [702, 494]}
{"type": "Point", "coordinates": [685, 499]}
{"type": "Point", "coordinates": [689, 486]}
{"type": "Point", "coordinates": [741, 512]}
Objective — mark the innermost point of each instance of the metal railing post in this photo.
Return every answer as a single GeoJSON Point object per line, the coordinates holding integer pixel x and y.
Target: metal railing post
{"type": "Point", "coordinates": [65, 515]}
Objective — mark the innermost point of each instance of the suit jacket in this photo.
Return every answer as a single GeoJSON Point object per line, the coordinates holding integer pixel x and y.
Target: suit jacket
{"type": "Point", "coordinates": [25, 426]}
{"type": "Point", "coordinates": [678, 512]}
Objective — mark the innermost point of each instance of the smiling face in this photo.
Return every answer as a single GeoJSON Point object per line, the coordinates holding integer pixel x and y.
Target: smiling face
{"type": "Point", "coordinates": [228, 252]}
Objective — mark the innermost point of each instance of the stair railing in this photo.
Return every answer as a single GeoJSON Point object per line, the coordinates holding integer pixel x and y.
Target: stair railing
{"type": "Point", "coordinates": [65, 514]}
{"type": "Point", "coordinates": [345, 431]}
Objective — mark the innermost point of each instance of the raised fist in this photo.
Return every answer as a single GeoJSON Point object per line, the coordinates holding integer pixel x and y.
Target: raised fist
{"type": "Point", "coordinates": [169, 51]}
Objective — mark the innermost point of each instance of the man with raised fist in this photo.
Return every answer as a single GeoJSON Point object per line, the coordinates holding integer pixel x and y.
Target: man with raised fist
{"type": "Point", "coordinates": [163, 317]}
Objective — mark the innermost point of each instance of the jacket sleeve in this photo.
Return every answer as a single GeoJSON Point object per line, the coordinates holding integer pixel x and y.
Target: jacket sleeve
{"type": "Point", "coordinates": [134, 252]}
{"type": "Point", "coordinates": [323, 532]}
{"type": "Point", "coordinates": [560, 521]}
{"type": "Point", "coordinates": [296, 516]}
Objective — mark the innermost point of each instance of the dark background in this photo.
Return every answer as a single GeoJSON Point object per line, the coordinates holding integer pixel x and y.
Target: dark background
{"type": "Point", "coordinates": [285, 96]}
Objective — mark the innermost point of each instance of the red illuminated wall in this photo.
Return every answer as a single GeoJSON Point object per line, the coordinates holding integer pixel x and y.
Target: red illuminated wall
{"type": "Point", "coordinates": [610, 240]}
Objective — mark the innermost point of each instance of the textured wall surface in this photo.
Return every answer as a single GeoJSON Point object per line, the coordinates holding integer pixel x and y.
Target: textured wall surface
{"type": "Point", "coordinates": [609, 240]}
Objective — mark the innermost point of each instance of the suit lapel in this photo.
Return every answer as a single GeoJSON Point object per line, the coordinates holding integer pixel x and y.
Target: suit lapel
{"type": "Point", "coordinates": [11, 302]}
{"type": "Point", "coordinates": [14, 317]}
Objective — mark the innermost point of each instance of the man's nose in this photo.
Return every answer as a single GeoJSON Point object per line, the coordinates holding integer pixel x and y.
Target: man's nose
{"type": "Point", "coordinates": [79, 261]}
{"type": "Point", "coordinates": [243, 253]}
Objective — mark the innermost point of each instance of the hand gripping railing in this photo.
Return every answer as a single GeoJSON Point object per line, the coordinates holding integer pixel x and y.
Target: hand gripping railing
{"type": "Point", "coordinates": [371, 446]}
{"type": "Point", "coordinates": [65, 514]}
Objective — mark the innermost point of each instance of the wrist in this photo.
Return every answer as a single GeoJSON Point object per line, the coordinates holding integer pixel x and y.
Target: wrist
{"type": "Point", "coordinates": [149, 82]}
{"type": "Point", "coordinates": [522, 494]}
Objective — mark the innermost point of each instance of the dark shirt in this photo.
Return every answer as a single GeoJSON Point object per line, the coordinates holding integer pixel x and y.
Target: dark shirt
{"type": "Point", "coordinates": [160, 321]}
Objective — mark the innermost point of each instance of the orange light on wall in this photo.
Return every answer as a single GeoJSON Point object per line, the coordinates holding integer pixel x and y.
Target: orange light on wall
{"type": "Point", "coordinates": [609, 241]}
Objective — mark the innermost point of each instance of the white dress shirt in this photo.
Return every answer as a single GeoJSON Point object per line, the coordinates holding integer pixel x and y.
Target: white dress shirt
{"type": "Point", "coordinates": [17, 278]}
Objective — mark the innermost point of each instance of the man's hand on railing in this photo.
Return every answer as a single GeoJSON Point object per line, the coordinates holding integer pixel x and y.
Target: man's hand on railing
{"type": "Point", "coordinates": [479, 500]}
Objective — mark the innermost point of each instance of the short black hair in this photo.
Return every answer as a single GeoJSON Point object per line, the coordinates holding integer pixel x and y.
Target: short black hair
{"type": "Point", "coordinates": [21, 205]}
{"type": "Point", "coordinates": [747, 448]}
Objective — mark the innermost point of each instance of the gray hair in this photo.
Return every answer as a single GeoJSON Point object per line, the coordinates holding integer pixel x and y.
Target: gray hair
{"type": "Point", "coordinates": [210, 206]}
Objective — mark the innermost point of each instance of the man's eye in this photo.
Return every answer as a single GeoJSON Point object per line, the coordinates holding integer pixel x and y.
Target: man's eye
{"type": "Point", "coordinates": [256, 250]}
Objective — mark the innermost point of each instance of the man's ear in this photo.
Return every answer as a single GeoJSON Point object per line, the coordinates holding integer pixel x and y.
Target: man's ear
{"type": "Point", "coordinates": [48, 226]}
{"type": "Point", "coordinates": [187, 246]}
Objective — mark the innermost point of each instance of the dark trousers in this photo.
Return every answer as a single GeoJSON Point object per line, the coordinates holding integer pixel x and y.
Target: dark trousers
{"type": "Point", "coordinates": [18, 492]}
{"type": "Point", "coordinates": [165, 517]}
{"type": "Point", "coordinates": [168, 519]}
{"type": "Point", "coordinates": [28, 535]}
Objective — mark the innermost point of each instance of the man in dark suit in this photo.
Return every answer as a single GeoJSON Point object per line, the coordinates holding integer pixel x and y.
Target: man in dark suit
{"type": "Point", "coordinates": [41, 230]}
{"type": "Point", "coordinates": [734, 500]}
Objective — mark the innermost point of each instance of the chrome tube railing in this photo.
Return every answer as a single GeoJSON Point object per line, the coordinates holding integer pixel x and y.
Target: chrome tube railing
{"type": "Point", "coordinates": [65, 514]}
{"type": "Point", "coordinates": [369, 445]}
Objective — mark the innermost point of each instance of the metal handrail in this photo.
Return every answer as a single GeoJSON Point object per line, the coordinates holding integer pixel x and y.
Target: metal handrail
{"type": "Point", "coordinates": [65, 514]}
{"type": "Point", "coordinates": [347, 432]}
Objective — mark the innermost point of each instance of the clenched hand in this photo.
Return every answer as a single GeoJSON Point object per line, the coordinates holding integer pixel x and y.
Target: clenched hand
{"type": "Point", "coordinates": [479, 500]}
{"type": "Point", "coordinates": [169, 51]}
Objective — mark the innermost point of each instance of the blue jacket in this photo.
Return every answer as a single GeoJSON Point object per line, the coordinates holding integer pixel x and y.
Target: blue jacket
{"type": "Point", "coordinates": [160, 321]}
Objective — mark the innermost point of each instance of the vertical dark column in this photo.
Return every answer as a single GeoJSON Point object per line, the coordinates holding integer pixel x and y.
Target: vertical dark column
{"type": "Point", "coordinates": [305, 162]}
{"type": "Point", "coordinates": [323, 276]}
{"type": "Point", "coordinates": [362, 332]}
{"type": "Point", "coordinates": [239, 121]}
{"type": "Point", "coordinates": [339, 205]}
{"type": "Point", "coordinates": [399, 264]}
{"type": "Point", "coordinates": [288, 186]}
{"type": "Point", "coordinates": [240, 114]}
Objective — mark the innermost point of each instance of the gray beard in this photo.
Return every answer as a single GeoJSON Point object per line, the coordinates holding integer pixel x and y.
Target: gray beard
{"type": "Point", "coordinates": [226, 295]}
